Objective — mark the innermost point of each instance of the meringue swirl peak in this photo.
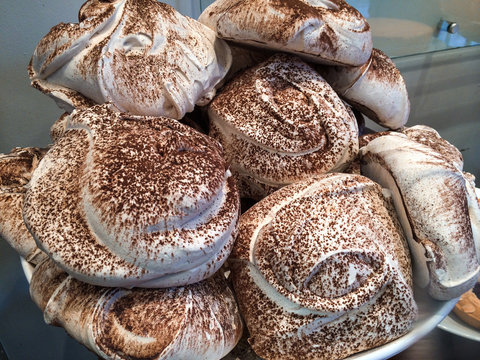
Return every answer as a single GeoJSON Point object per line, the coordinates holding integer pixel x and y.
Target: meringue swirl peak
{"type": "Point", "coordinates": [141, 55]}
{"type": "Point", "coordinates": [136, 201]}
{"type": "Point", "coordinates": [280, 122]}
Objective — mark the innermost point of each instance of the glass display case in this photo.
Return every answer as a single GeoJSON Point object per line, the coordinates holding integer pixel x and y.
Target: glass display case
{"type": "Point", "coordinates": [434, 43]}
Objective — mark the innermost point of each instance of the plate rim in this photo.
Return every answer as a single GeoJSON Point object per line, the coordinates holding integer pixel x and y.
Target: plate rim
{"type": "Point", "coordinates": [460, 328]}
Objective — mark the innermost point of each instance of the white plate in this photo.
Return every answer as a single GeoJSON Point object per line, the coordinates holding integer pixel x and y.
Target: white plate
{"type": "Point", "coordinates": [431, 313]}
{"type": "Point", "coordinates": [455, 325]}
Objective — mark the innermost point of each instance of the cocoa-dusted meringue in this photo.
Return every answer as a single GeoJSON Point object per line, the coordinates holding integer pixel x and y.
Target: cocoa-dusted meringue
{"type": "Point", "coordinates": [430, 137]}
{"type": "Point", "coordinates": [199, 321]}
{"type": "Point", "coordinates": [321, 270]}
{"type": "Point", "coordinates": [123, 200]}
{"type": "Point", "coordinates": [58, 127]}
{"type": "Point", "coordinates": [436, 204]}
{"type": "Point", "coordinates": [376, 88]}
{"type": "Point", "coordinates": [16, 170]}
{"type": "Point", "coordinates": [324, 31]}
{"type": "Point", "coordinates": [425, 135]}
{"type": "Point", "coordinates": [143, 56]}
{"type": "Point", "coordinates": [279, 123]}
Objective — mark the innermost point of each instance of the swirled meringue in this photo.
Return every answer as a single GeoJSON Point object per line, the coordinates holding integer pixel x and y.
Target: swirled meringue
{"type": "Point", "coordinates": [199, 321]}
{"type": "Point", "coordinates": [436, 204]}
{"type": "Point", "coordinates": [376, 88]}
{"type": "Point", "coordinates": [321, 270]}
{"type": "Point", "coordinates": [122, 200]}
{"type": "Point", "coordinates": [324, 31]}
{"type": "Point", "coordinates": [280, 122]}
{"type": "Point", "coordinates": [16, 169]}
{"type": "Point", "coordinates": [143, 56]}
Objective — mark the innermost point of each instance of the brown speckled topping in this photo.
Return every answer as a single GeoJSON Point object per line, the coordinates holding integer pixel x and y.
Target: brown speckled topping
{"type": "Point", "coordinates": [141, 55]}
{"type": "Point", "coordinates": [435, 204]}
{"type": "Point", "coordinates": [427, 136]}
{"type": "Point", "coordinates": [139, 198]}
{"type": "Point", "coordinates": [365, 139]}
{"type": "Point", "coordinates": [17, 166]}
{"type": "Point", "coordinates": [293, 12]}
{"type": "Point", "coordinates": [382, 68]}
{"type": "Point", "coordinates": [67, 36]}
{"type": "Point", "coordinates": [195, 321]}
{"type": "Point", "coordinates": [58, 128]}
{"type": "Point", "coordinates": [376, 89]}
{"type": "Point", "coordinates": [174, 62]}
{"type": "Point", "coordinates": [16, 170]}
{"type": "Point", "coordinates": [113, 321]}
{"type": "Point", "coordinates": [313, 283]}
{"type": "Point", "coordinates": [430, 137]}
{"type": "Point", "coordinates": [324, 31]}
{"type": "Point", "coordinates": [280, 122]}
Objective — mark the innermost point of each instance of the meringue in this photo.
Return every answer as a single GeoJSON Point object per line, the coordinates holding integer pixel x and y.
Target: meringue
{"type": "Point", "coordinates": [377, 89]}
{"type": "Point", "coordinates": [323, 31]}
{"type": "Point", "coordinates": [123, 200]}
{"type": "Point", "coordinates": [199, 321]}
{"type": "Point", "coordinates": [280, 122]}
{"type": "Point", "coordinates": [142, 56]}
{"type": "Point", "coordinates": [321, 270]}
{"type": "Point", "coordinates": [436, 204]}
{"type": "Point", "coordinates": [16, 169]}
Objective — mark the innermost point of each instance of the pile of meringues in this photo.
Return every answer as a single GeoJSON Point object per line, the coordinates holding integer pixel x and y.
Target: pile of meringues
{"type": "Point", "coordinates": [130, 216]}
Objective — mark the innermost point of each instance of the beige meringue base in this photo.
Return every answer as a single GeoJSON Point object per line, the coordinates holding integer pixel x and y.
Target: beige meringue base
{"type": "Point", "coordinates": [430, 314]}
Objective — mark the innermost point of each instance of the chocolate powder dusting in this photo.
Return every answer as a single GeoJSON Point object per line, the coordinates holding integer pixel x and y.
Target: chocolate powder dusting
{"type": "Point", "coordinates": [330, 32]}
{"type": "Point", "coordinates": [195, 321]}
{"type": "Point", "coordinates": [383, 68]}
{"type": "Point", "coordinates": [434, 198]}
{"type": "Point", "coordinates": [16, 169]}
{"type": "Point", "coordinates": [312, 283]}
{"type": "Point", "coordinates": [133, 191]}
{"type": "Point", "coordinates": [280, 122]}
{"type": "Point", "coordinates": [141, 55]}
{"type": "Point", "coordinates": [138, 313]}
{"type": "Point", "coordinates": [293, 12]}
{"type": "Point", "coordinates": [431, 138]}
